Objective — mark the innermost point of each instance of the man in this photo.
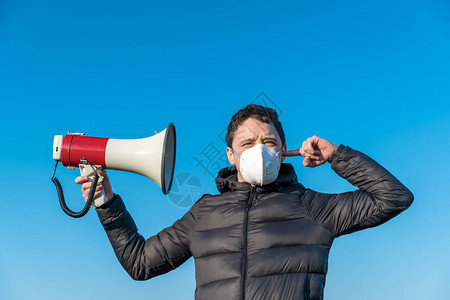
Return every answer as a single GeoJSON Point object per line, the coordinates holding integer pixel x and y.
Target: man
{"type": "Point", "coordinates": [265, 236]}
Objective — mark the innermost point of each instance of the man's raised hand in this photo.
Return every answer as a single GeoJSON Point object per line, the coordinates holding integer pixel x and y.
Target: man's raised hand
{"type": "Point", "coordinates": [315, 150]}
{"type": "Point", "coordinates": [86, 185]}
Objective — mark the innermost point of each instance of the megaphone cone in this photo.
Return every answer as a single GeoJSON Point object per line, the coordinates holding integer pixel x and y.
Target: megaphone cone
{"type": "Point", "coordinates": [153, 157]}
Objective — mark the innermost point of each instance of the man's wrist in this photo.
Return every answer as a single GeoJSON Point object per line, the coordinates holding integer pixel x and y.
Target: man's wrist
{"type": "Point", "coordinates": [333, 153]}
{"type": "Point", "coordinates": [101, 201]}
{"type": "Point", "coordinates": [110, 195]}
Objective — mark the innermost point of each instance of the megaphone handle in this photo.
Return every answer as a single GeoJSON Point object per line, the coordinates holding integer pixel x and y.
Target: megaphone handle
{"type": "Point", "coordinates": [87, 170]}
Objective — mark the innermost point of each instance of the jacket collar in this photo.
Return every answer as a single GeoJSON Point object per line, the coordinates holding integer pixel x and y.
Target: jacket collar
{"type": "Point", "coordinates": [226, 180]}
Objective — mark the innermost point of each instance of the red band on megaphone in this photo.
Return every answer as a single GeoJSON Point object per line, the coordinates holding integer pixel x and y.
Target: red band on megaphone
{"type": "Point", "coordinates": [76, 147]}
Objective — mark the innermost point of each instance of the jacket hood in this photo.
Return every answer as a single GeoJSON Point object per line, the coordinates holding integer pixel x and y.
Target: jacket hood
{"type": "Point", "coordinates": [227, 180]}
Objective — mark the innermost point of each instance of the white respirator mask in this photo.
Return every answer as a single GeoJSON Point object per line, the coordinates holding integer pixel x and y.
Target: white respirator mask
{"type": "Point", "coordinates": [259, 164]}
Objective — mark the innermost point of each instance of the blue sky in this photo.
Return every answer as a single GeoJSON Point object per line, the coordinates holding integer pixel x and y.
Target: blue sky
{"type": "Point", "coordinates": [373, 75]}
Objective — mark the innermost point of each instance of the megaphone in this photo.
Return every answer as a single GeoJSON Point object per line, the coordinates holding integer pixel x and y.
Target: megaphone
{"type": "Point", "coordinates": [152, 157]}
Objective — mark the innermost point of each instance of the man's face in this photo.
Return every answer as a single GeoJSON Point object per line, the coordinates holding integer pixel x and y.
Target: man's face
{"type": "Point", "coordinates": [250, 133]}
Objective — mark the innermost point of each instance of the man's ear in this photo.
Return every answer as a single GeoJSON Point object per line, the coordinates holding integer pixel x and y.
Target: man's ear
{"type": "Point", "coordinates": [282, 157]}
{"type": "Point", "coordinates": [231, 156]}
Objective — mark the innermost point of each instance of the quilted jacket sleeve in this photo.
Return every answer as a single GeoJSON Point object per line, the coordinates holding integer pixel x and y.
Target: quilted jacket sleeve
{"type": "Point", "coordinates": [144, 259]}
{"type": "Point", "coordinates": [379, 198]}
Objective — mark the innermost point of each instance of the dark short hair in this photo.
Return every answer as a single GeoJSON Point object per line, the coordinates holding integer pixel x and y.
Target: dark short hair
{"type": "Point", "coordinates": [258, 112]}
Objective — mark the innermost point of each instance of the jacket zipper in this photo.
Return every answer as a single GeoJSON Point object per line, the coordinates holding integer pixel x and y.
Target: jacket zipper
{"type": "Point", "coordinates": [250, 203]}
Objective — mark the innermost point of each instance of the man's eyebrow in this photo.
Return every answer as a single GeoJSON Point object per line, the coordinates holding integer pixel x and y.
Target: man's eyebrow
{"type": "Point", "coordinates": [246, 140]}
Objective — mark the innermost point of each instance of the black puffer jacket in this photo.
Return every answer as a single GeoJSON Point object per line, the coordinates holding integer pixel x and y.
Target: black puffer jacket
{"type": "Point", "coordinates": [269, 242]}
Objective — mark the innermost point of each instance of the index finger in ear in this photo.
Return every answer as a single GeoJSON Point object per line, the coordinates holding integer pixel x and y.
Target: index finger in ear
{"type": "Point", "coordinates": [292, 153]}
